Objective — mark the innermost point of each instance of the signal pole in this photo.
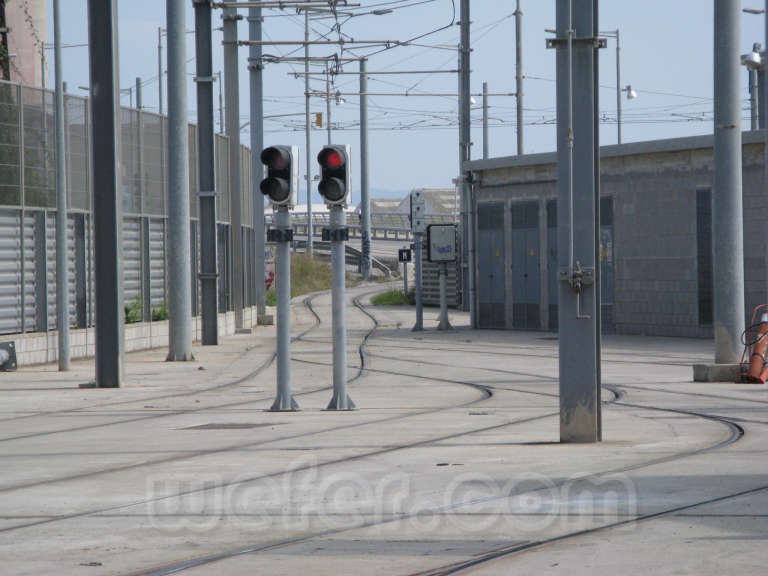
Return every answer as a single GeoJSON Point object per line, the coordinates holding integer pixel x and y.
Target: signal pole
{"type": "Point", "coordinates": [284, 400]}
{"type": "Point", "coordinates": [334, 187]}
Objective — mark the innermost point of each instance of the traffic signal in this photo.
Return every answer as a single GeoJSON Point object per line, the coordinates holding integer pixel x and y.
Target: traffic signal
{"type": "Point", "coordinates": [334, 174]}
{"type": "Point", "coordinates": [282, 181]}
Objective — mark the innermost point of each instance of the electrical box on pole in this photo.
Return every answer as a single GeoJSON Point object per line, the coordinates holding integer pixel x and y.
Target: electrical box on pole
{"type": "Point", "coordinates": [441, 243]}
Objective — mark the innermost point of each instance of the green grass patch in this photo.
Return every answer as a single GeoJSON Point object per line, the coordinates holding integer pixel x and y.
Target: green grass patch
{"type": "Point", "coordinates": [394, 298]}
{"type": "Point", "coordinates": [307, 275]}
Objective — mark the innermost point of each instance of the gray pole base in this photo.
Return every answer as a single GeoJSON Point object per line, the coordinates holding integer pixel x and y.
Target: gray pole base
{"type": "Point", "coordinates": [265, 320]}
{"type": "Point", "coordinates": [284, 403]}
{"type": "Point", "coordinates": [344, 403]}
{"type": "Point", "coordinates": [180, 357]}
{"type": "Point", "coordinates": [444, 323]}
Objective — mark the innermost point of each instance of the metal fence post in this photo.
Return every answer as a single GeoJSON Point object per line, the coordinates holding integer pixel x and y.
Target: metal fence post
{"type": "Point", "coordinates": [41, 271]}
{"type": "Point", "coordinates": [81, 286]}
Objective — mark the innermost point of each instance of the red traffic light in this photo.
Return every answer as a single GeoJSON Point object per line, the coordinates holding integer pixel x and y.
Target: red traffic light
{"type": "Point", "coordinates": [331, 158]}
{"type": "Point", "coordinates": [334, 159]}
{"type": "Point", "coordinates": [274, 158]}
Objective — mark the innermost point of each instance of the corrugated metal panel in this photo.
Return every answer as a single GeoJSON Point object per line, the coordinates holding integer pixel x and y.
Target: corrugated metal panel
{"type": "Point", "coordinates": [10, 273]}
{"type": "Point", "coordinates": [131, 260]}
{"type": "Point", "coordinates": [29, 273]}
{"type": "Point", "coordinates": [157, 260]}
{"type": "Point", "coordinates": [50, 247]}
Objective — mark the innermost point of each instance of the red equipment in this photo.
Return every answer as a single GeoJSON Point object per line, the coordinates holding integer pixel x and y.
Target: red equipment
{"type": "Point", "coordinates": [755, 340]}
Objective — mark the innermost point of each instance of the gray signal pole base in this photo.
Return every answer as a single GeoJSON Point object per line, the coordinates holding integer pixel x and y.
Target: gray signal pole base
{"type": "Point", "coordinates": [284, 401]}
{"type": "Point", "coordinates": [340, 400]}
{"type": "Point", "coordinates": [180, 357]}
{"type": "Point", "coordinates": [341, 403]}
{"type": "Point", "coordinates": [444, 323]}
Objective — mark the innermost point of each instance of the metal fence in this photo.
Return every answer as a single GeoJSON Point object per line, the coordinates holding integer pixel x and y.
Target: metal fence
{"type": "Point", "coordinates": [28, 208]}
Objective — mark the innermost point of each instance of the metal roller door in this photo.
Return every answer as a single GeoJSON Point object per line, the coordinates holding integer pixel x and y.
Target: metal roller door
{"type": "Point", "coordinates": [490, 263]}
{"type": "Point", "coordinates": [526, 283]}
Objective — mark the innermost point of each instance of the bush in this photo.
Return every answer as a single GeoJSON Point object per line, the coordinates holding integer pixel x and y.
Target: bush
{"type": "Point", "coordinates": [134, 312]}
{"type": "Point", "coordinates": [160, 313]}
{"type": "Point", "coordinates": [394, 298]}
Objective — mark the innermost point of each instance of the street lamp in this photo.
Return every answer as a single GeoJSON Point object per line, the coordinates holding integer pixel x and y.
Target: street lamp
{"type": "Point", "coordinates": [753, 62]}
{"type": "Point", "coordinates": [631, 94]}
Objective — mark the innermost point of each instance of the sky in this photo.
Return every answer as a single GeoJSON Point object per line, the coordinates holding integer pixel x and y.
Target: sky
{"type": "Point", "coordinates": [666, 56]}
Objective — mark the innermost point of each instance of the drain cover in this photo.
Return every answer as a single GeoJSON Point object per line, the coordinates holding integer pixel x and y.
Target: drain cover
{"type": "Point", "coordinates": [229, 426]}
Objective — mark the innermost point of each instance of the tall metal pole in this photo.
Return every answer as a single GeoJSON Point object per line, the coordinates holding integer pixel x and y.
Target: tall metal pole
{"type": "Point", "coordinates": [577, 221]}
{"type": "Point", "coordinates": [328, 102]}
{"type": "Point", "coordinates": [284, 400]}
{"type": "Point", "coordinates": [340, 400]}
{"type": "Point", "coordinates": [206, 165]}
{"type": "Point", "coordinates": [257, 168]}
{"type": "Point", "coordinates": [160, 70]}
{"type": "Point", "coordinates": [519, 78]}
{"type": "Point", "coordinates": [62, 267]}
{"type": "Point", "coordinates": [754, 121]}
{"type": "Point", "coordinates": [727, 201]}
{"type": "Point", "coordinates": [179, 267]}
{"type": "Point", "coordinates": [465, 137]}
{"type": "Point", "coordinates": [232, 95]}
{"type": "Point", "coordinates": [365, 196]}
{"type": "Point", "coordinates": [222, 127]}
{"type": "Point", "coordinates": [417, 241]}
{"type": "Point", "coordinates": [105, 109]}
{"type": "Point", "coordinates": [308, 133]}
{"type": "Point", "coordinates": [618, 85]}
{"type": "Point", "coordinates": [139, 95]}
{"type": "Point", "coordinates": [485, 120]}
{"type": "Point", "coordinates": [764, 96]}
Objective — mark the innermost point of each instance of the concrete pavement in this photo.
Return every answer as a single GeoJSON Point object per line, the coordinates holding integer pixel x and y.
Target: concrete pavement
{"type": "Point", "coordinates": [451, 464]}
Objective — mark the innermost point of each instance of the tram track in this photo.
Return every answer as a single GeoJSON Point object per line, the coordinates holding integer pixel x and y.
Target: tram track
{"type": "Point", "coordinates": [735, 433]}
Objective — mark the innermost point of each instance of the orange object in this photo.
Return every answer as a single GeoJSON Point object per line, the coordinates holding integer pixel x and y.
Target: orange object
{"type": "Point", "coordinates": [758, 359]}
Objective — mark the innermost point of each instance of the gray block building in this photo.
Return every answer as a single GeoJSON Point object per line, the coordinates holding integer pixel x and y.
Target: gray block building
{"type": "Point", "coordinates": [655, 237]}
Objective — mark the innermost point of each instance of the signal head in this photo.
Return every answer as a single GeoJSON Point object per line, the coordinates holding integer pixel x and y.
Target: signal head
{"type": "Point", "coordinates": [281, 183]}
{"type": "Point", "coordinates": [335, 178]}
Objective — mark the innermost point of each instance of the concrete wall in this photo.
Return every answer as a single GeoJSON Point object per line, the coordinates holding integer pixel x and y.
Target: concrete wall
{"type": "Point", "coordinates": [28, 26]}
{"type": "Point", "coordinates": [653, 186]}
{"type": "Point", "coordinates": [42, 347]}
